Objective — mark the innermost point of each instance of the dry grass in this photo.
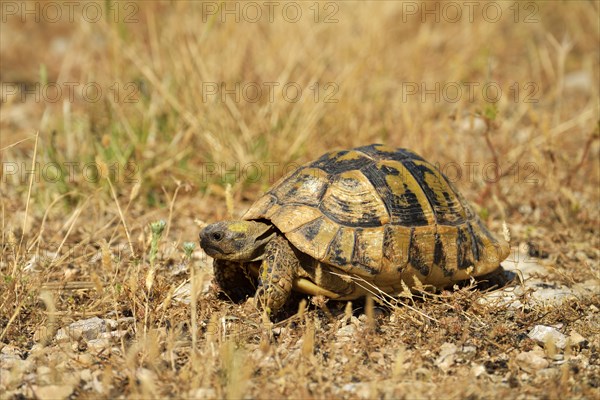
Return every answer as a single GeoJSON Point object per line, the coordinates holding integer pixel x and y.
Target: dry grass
{"type": "Point", "coordinates": [76, 239]}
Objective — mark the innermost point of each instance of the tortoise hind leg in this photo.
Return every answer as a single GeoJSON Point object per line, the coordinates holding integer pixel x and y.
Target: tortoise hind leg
{"type": "Point", "coordinates": [324, 280]}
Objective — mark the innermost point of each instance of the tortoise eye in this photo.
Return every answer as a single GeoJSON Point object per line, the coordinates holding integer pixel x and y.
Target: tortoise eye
{"type": "Point", "coordinates": [216, 236]}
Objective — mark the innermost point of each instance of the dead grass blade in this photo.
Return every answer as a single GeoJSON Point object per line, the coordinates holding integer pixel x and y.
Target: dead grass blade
{"type": "Point", "coordinates": [24, 228]}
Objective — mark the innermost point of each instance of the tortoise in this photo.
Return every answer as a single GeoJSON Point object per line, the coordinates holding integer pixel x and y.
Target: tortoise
{"type": "Point", "coordinates": [352, 222]}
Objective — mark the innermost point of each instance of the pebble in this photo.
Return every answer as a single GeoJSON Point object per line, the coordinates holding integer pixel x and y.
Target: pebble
{"type": "Point", "coordinates": [53, 392]}
{"type": "Point", "coordinates": [362, 390]}
{"type": "Point", "coordinates": [11, 350]}
{"type": "Point", "coordinates": [474, 124]}
{"type": "Point", "coordinates": [6, 380]}
{"type": "Point", "coordinates": [146, 375]}
{"type": "Point", "coordinates": [85, 359]}
{"type": "Point", "coordinates": [113, 334]}
{"type": "Point", "coordinates": [348, 331]}
{"type": "Point", "coordinates": [98, 344]}
{"type": "Point", "coordinates": [10, 356]}
{"type": "Point", "coordinates": [279, 330]}
{"type": "Point", "coordinates": [88, 329]}
{"type": "Point", "coordinates": [447, 356]}
{"type": "Point", "coordinates": [544, 334]}
{"type": "Point", "coordinates": [468, 352]}
{"type": "Point", "coordinates": [531, 361]}
{"type": "Point", "coordinates": [477, 370]}
{"type": "Point", "coordinates": [202, 393]}
{"type": "Point", "coordinates": [579, 81]}
{"type": "Point", "coordinates": [576, 339]}
{"type": "Point", "coordinates": [86, 375]}
{"type": "Point", "coordinates": [183, 294]}
{"type": "Point", "coordinates": [548, 373]}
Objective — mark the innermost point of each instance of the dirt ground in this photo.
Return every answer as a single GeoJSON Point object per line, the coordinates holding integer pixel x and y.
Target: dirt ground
{"type": "Point", "coordinates": [116, 116]}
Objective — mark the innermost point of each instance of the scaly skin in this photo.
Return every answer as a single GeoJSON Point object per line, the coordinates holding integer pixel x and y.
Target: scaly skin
{"type": "Point", "coordinates": [234, 279]}
{"type": "Point", "coordinates": [276, 275]}
{"type": "Point", "coordinates": [239, 246]}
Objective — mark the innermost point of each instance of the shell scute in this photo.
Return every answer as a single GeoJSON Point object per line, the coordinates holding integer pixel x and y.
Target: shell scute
{"type": "Point", "coordinates": [383, 152]}
{"type": "Point", "coordinates": [368, 250]}
{"type": "Point", "coordinates": [465, 252]}
{"type": "Point", "coordinates": [421, 250]}
{"type": "Point", "coordinates": [351, 201]}
{"type": "Point", "coordinates": [341, 248]}
{"type": "Point", "coordinates": [264, 207]}
{"type": "Point", "coordinates": [446, 206]}
{"type": "Point", "coordinates": [341, 161]}
{"type": "Point", "coordinates": [306, 187]}
{"type": "Point", "coordinates": [314, 237]}
{"type": "Point", "coordinates": [396, 242]}
{"type": "Point", "coordinates": [292, 216]}
{"type": "Point", "coordinates": [407, 202]}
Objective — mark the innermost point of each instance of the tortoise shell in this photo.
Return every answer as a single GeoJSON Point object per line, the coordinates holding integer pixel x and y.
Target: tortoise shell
{"type": "Point", "coordinates": [380, 212]}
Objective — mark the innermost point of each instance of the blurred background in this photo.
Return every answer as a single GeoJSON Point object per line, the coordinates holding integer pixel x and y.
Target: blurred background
{"type": "Point", "coordinates": [141, 102]}
{"type": "Point", "coordinates": [196, 92]}
{"type": "Point", "coordinates": [115, 115]}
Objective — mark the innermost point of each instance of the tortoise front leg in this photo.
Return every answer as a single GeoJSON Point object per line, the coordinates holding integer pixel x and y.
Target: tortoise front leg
{"type": "Point", "coordinates": [234, 280]}
{"type": "Point", "coordinates": [276, 275]}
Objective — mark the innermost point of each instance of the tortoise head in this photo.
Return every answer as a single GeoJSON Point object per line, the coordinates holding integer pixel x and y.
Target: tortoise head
{"type": "Point", "coordinates": [236, 240]}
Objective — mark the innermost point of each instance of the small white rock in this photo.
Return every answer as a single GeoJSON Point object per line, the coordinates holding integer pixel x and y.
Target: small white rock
{"type": "Point", "coordinates": [147, 378]}
{"type": "Point", "coordinates": [477, 370]}
{"type": "Point", "coordinates": [6, 381]}
{"type": "Point", "coordinates": [62, 336]}
{"type": "Point", "coordinates": [447, 356]}
{"type": "Point", "coordinates": [469, 350]}
{"type": "Point", "coordinates": [86, 375]}
{"type": "Point", "coordinates": [98, 344]}
{"type": "Point", "coordinates": [117, 334]}
{"type": "Point", "coordinates": [183, 294]}
{"type": "Point", "coordinates": [576, 339]}
{"type": "Point", "coordinates": [544, 334]}
{"type": "Point", "coordinates": [531, 361]}
{"type": "Point", "coordinates": [202, 393]}
{"type": "Point", "coordinates": [362, 390]}
{"type": "Point", "coordinates": [579, 81]}
{"type": "Point", "coordinates": [347, 331]}
{"type": "Point", "coordinates": [471, 124]}
{"type": "Point", "coordinates": [53, 391]}
{"type": "Point", "coordinates": [548, 373]}
{"type": "Point", "coordinates": [9, 349]}
{"type": "Point", "coordinates": [10, 356]}
{"type": "Point", "coordinates": [44, 375]}
{"type": "Point", "coordinates": [89, 329]}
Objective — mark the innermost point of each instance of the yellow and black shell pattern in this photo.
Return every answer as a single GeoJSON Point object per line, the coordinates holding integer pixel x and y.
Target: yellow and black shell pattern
{"type": "Point", "coordinates": [381, 213]}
